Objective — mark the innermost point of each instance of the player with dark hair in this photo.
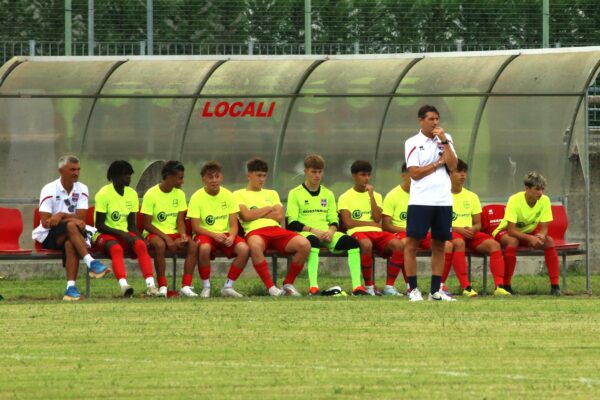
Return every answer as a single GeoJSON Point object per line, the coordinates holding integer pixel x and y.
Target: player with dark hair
{"type": "Point", "coordinates": [360, 211]}
{"type": "Point", "coordinates": [525, 223]}
{"type": "Point", "coordinates": [63, 207]}
{"type": "Point", "coordinates": [116, 207]}
{"type": "Point", "coordinates": [429, 155]}
{"type": "Point", "coordinates": [466, 232]}
{"type": "Point", "coordinates": [261, 216]}
{"type": "Point", "coordinates": [163, 217]}
{"type": "Point", "coordinates": [312, 212]}
{"type": "Point", "coordinates": [214, 211]}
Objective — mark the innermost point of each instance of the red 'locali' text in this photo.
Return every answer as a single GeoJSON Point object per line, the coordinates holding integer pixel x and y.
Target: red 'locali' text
{"type": "Point", "coordinates": [238, 109]}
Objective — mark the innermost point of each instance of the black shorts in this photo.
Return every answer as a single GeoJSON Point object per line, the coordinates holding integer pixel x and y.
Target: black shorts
{"type": "Point", "coordinates": [50, 242]}
{"type": "Point", "coordinates": [420, 218]}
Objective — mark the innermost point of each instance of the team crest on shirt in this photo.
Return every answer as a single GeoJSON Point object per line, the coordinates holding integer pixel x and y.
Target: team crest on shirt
{"type": "Point", "coordinates": [467, 204]}
{"type": "Point", "coordinates": [323, 202]}
{"type": "Point", "coordinates": [75, 197]}
{"type": "Point", "coordinates": [115, 216]}
{"type": "Point", "coordinates": [129, 205]}
{"type": "Point", "coordinates": [223, 205]}
{"type": "Point", "coordinates": [305, 202]}
{"type": "Point", "coordinates": [175, 202]}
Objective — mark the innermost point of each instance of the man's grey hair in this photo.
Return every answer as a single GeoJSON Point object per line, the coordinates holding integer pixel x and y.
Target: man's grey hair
{"type": "Point", "coordinates": [64, 160]}
{"type": "Point", "coordinates": [534, 179]}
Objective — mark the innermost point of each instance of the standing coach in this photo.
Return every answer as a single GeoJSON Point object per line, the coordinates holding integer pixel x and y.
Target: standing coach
{"type": "Point", "coordinates": [430, 155]}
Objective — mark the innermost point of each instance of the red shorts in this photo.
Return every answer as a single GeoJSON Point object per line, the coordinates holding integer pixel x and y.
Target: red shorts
{"type": "Point", "coordinates": [423, 244]}
{"type": "Point", "coordinates": [380, 240]}
{"type": "Point", "coordinates": [522, 243]}
{"type": "Point", "coordinates": [173, 236]}
{"type": "Point", "coordinates": [227, 251]}
{"type": "Point", "coordinates": [104, 238]}
{"type": "Point", "coordinates": [275, 238]}
{"type": "Point", "coordinates": [475, 242]}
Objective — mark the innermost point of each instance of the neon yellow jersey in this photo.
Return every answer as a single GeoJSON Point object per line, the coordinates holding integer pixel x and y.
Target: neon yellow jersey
{"type": "Point", "coordinates": [257, 199]}
{"type": "Point", "coordinates": [359, 206]}
{"type": "Point", "coordinates": [213, 211]}
{"type": "Point", "coordinates": [464, 205]}
{"type": "Point", "coordinates": [314, 211]}
{"type": "Point", "coordinates": [164, 208]}
{"type": "Point", "coordinates": [395, 205]}
{"type": "Point", "coordinates": [116, 207]}
{"type": "Point", "coordinates": [524, 217]}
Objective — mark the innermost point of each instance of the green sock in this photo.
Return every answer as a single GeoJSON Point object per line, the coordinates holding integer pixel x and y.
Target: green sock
{"type": "Point", "coordinates": [313, 267]}
{"type": "Point", "coordinates": [354, 264]}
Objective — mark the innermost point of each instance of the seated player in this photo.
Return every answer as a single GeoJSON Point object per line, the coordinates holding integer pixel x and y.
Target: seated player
{"type": "Point", "coordinates": [393, 220]}
{"type": "Point", "coordinates": [261, 216]}
{"type": "Point", "coordinates": [163, 216]}
{"type": "Point", "coordinates": [466, 231]}
{"type": "Point", "coordinates": [213, 211]}
{"type": "Point", "coordinates": [116, 207]}
{"type": "Point", "coordinates": [525, 223]}
{"type": "Point", "coordinates": [311, 210]}
{"type": "Point", "coordinates": [63, 206]}
{"type": "Point", "coordinates": [360, 212]}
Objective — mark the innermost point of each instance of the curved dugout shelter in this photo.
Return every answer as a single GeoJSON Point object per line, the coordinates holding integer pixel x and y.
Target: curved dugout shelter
{"type": "Point", "coordinates": [509, 112]}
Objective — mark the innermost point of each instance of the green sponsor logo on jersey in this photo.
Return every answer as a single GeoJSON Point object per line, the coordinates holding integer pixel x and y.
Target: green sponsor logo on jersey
{"type": "Point", "coordinates": [520, 224]}
{"type": "Point", "coordinates": [115, 216]}
{"type": "Point", "coordinates": [253, 208]}
{"type": "Point", "coordinates": [210, 220]}
{"type": "Point", "coordinates": [162, 216]}
{"type": "Point", "coordinates": [403, 216]}
{"type": "Point", "coordinates": [356, 214]}
{"type": "Point", "coordinates": [454, 216]}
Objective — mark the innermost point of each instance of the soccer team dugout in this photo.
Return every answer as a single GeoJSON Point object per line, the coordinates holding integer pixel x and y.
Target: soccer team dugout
{"type": "Point", "coordinates": [509, 112]}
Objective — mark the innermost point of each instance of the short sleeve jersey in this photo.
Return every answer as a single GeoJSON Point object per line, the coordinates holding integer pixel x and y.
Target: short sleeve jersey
{"type": "Point", "coordinates": [116, 207]}
{"type": "Point", "coordinates": [257, 199]}
{"type": "Point", "coordinates": [359, 206]}
{"type": "Point", "coordinates": [524, 217]}
{"type": "Point", "coordinates": [317, 211]}
{"type": "Point", "coordinates": [433, 189]}
{"type": "Point", "coordinates": [55, 199]}
{"type": "Point", "coordinates": [213, 211]}
{"type": "Point", "coordinates": [465, 205]}
{"type": "Point", "coordinates": [395, 205]}
{"type": "Point", "coordinates": [164, 208]}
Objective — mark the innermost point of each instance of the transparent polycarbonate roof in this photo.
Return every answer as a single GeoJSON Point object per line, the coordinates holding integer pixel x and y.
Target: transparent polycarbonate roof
{"type": "Point", "coordinates": [508, 113]}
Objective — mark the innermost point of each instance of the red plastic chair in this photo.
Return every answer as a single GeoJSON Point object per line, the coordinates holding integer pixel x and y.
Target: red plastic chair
{"type": "Point", "coordinates": [558, 227]}
{"type": "Point", "coordinates": [11, 227]}
{"type": "Point", "coordinates": [491, 216]}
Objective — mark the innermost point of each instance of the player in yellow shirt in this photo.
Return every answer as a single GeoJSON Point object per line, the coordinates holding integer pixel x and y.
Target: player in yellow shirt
{"type": "Point", "coordinates": [163, 216]}
{"type": "Point", "coordinates": [466, 232]}
{"type": "Point", "coordinates": [115, 217]}
{"type": "Point", "coordinates": [214, 211]}
{"type": "Point", "coordinates": [360, 212]}
{"type": "Point", "coordinates": [525, 223]}
{"type": "Point", "coordinates": [311, 210]}
{"type": "Point", "coordinates": [261, 216]}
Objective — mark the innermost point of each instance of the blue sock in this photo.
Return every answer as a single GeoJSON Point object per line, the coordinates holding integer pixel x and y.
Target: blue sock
{"type": "Point", "coordinates": [436, 280]}
{"type": "Point", "coordinates": [412, 282]}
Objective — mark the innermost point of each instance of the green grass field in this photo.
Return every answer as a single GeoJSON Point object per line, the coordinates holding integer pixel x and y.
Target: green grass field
{"type": "Point", "coordinates": [529, 346]}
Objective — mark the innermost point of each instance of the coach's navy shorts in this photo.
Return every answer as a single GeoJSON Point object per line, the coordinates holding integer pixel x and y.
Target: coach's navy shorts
{"type": "Point", "coordinates": [420, 218]}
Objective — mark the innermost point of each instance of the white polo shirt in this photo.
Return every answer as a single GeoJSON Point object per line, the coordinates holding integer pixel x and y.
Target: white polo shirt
{"type": "Point", "coordinates": [54, 198]}
{"type": "Point", "coordinates": [433, 189]}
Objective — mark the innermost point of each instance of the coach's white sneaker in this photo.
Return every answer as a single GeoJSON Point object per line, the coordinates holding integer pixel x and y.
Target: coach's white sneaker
{"type": "Point", "coordinates": [415, 295]}
{"type": "Point", "coordinates": [230, 292]}
{"type": "Point", "coordinates": [274, 291]}
{"type": "Point", "coordinates": [205, 293]}
{"type": "Point", "coordinates": [187, 291]}
{"type": "Point", "coordinates": [162, 291]}
{"type": "Point", "coordinates": [440, 296]}
{"type": "Point", "coordinates": [290, 290]}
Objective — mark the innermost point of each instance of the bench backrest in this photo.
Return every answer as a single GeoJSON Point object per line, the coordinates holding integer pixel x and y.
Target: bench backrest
{"type": "Point", "coordinates": [11, 227]}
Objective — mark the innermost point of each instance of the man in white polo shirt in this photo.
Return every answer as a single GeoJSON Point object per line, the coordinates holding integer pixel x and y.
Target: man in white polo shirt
{"type": "Point", "coordinates": [429, 156]}
{"type": "Point", "coordinates": [63, 206]}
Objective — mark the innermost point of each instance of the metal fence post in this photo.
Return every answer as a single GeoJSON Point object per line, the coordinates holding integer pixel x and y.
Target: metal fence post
{"type": "Point", "coordinates": [250, 46]}
{"type": "Point", "coordinates": [68, 29]}
{"type": "Point", "coordinates": [142, 47]}
{"type": "Point", "coordinates": [31, 48]}
{"type": "Point", "coordinates": [459, 44]}
{"type": "Point", "coordinates": [356, 47]}
{"type": "Point", "coordinates": [150, 26]}
{"type": "Point", "coordinates": [90, 27]}
{"type": "Point", "coordinates": [307, 27]}
{"type": "Point", "coordinates": [546, 24]}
